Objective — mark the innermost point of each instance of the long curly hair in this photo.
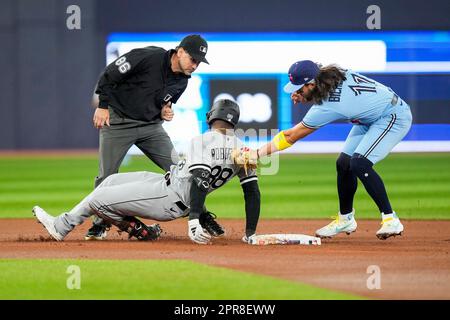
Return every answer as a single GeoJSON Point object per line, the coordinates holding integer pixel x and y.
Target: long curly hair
{"type": "Point", "coordinates": [328, 79]}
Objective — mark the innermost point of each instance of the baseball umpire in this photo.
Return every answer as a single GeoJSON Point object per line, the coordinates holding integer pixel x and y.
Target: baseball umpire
{"type": "Point", "coordinates": [135, 94]}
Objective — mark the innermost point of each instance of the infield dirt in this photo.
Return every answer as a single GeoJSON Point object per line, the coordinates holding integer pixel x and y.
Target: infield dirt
{"type": "Point", "coordinates": [413, 266]}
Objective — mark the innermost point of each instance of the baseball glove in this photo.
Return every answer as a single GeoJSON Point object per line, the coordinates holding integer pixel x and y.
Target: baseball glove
{"type": "Point", "coordinates": [245, 158]}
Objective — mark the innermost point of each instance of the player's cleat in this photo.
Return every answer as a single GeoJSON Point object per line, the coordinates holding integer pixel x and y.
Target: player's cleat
{"type": "Point", "coordinates": [156, 231]}
{"type": "Point", "coordinates": [48, 222]}
{"type": "Point", "coordinates": [96, 232]}
{"type": "Point", "coordinates": [209, 223]}
{"type": "Point", "coordinates": [143, 232]}
{"type": "Point", "coordinates": [342, 223]}
{"type": "Point", "coordinates": [390, 227]}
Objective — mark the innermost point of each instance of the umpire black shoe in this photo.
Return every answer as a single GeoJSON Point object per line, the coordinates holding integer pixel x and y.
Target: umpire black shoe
{"type": "Point", "coordinates": [208, 222]}
{"type": "Point", "coordinates": [96, 232]}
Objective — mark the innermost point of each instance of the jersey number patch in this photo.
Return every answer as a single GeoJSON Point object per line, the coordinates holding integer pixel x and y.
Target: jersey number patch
{"type": "Point", "coordinates": [358, 89]}
{"type": "Point", "coordinates": [123, 65]}
{"type": "Point", "coordinates": [219, 176]}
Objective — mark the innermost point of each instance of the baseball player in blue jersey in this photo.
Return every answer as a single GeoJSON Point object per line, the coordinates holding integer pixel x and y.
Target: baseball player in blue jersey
{"type": "Point", "coordinates": [381, 119]}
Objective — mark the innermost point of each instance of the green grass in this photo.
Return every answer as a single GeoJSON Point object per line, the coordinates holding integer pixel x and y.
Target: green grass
{"type": "Point", "coordinates": [305, 186]}
{"type": "Point", "coordinates": [140, 279]}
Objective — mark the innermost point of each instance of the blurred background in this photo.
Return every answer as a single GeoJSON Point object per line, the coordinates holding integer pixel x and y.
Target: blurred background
{"type": "Point", "coordinates": [49, 71]}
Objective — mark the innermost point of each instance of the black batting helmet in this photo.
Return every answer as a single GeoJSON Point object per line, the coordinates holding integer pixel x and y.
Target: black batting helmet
{"type": "Point", "coordinates": [224, 109]}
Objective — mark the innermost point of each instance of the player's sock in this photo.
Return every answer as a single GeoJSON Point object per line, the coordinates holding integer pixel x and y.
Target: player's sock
{"type": "Point", "coordinates": [373, 183]}
{"type": "Point", "coordinates": [389, 215]}
{"type": "Point", "coordinates": [346, 184]}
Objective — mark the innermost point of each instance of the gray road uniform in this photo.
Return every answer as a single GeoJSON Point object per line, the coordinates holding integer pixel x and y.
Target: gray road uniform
{"type": "Point", "coordinates": [167, 197]}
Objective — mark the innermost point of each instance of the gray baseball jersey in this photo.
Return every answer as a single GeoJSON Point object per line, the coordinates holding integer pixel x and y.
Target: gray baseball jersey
{"type": "Point", "coordinates": [210, 151]}
{"type": "Point", "coordinates": [156, 196]}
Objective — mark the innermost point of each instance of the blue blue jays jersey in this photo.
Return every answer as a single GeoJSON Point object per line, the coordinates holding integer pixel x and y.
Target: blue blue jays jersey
{"type": "Point", "coordinates": [358, 99]}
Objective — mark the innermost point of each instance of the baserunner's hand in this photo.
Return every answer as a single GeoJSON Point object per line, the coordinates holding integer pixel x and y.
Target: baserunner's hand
{"type": "Point", "coordinates": [196, 232]}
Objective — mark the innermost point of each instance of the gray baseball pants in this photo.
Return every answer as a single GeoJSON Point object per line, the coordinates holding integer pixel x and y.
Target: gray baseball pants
{"type": "Point", "coordinates": [119, 137]}
{"type": "Point", "coordinates": [140, 194]}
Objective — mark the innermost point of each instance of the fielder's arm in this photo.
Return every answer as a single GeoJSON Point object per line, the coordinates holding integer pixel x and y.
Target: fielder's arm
{"type": "Point", "coordinates": [284, 139]}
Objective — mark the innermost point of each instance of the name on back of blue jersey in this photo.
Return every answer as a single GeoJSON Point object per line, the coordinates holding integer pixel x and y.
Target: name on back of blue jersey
{"type": "Point", "coordinates": [335, 96]}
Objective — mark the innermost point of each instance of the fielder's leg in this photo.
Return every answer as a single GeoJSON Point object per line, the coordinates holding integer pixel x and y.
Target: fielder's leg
{"type": "Point", "coordinates": [378, 142]}
{"type": "Point", "coordinates": [346, 184]}
{"type": "Point", "coordinates": [373, 183]}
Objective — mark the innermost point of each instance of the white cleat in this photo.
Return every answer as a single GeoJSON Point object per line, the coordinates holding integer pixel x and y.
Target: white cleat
{"type": "Point", "coordinates": [343, 223]}
{"type": "Point", "coordinates": [391, 227]}
{"type": "Point", "coordinates": [48, 222]}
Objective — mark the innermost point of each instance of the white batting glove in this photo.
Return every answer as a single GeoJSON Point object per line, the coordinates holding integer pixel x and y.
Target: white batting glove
{"type": "Point", "coordinates": [196, 232]}
{"type": "Point", "coordinates": [248, 240]}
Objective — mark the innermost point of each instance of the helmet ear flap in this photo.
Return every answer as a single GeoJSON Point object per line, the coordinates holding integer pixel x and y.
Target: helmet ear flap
{"type": "Point", "coordinates": [208, 116]}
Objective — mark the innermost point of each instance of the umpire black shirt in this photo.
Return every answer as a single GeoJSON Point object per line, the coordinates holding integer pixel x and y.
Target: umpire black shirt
{"type": "Point", "coordinates": [140, 82]}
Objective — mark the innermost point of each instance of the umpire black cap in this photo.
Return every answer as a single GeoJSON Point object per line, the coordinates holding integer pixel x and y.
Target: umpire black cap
{"type": "Point", "coordinates": [196, 46]}
{"type": "Point", "coordinates": [224, 109]}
